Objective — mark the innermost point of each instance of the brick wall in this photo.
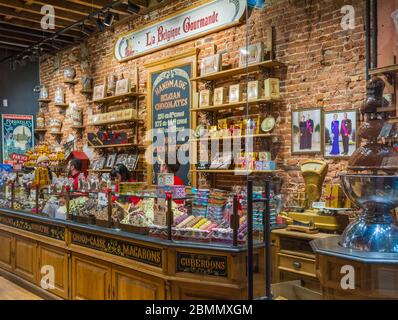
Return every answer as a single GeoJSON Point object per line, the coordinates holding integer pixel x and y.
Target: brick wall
{"type": "Point", "coordinates": [325, 65]}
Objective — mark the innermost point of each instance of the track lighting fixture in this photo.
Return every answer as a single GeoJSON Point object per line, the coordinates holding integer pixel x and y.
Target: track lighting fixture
{"type": "Point", "coordinates": [109, 17]}
{"type": "Point", "coordinates": [100, 25]}
{"type": "Point", "coordinates": [85, 30]}
{"type": "Point", "coordinates": [132, 7]}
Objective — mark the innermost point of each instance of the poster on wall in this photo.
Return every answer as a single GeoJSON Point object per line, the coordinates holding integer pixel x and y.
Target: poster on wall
{"type": "Point", "coordinates": [18, 138]}
{"type": "Point", "coordinates": [191, 23]}
{"type": "Point", "coordinates": [171, 101]}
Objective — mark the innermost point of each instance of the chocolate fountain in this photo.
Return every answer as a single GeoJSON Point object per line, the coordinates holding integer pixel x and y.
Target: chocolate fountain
{"type": "Point", "coordinates": [371, 182]}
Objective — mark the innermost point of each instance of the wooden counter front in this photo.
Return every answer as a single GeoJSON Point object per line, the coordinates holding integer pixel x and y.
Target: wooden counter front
{"type": "Point", "coordinates": [90, 262]}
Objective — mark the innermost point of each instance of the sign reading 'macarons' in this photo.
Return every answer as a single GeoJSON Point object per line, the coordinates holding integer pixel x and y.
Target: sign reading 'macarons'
{"type": "Point", "coordinates": [188, 24]}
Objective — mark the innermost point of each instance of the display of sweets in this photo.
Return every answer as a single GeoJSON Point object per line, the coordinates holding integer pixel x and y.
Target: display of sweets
{"type": "Point", "coordinates": [200, 202]}
{"type": "Point", "coordinates": [56, 155]}
{"type": "Point", "coordinates": [216, 204]}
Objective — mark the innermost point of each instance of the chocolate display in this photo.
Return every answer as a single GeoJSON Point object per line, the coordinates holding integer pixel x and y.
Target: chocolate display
{"type": "Point", "coordinates": [376, 229]}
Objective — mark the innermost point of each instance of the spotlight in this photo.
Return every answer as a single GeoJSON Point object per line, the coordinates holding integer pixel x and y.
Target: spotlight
{"type": "Point", "coordinates": [56, 46]}
{"type": "Point", "coordinates": [109, 17]}
{"type": "Point", "coordinates": [132, 7]}
{"type": "Point", "coordinates": [85, 30]}
{"type": "Point", "coordinates": [100, 25]}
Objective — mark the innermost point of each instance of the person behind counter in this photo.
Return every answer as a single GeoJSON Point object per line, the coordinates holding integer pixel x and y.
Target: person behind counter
{"type": "Point", "coordinates": [75, 168]}
{"type": "Point", "coordinates": [122, 174]}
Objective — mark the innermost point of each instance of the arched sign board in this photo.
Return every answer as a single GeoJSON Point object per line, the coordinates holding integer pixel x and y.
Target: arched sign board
{"type": "Point", "coordinates": [191, 23]}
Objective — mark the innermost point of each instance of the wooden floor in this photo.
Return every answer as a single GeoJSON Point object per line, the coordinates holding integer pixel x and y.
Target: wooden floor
{"type": "Point", "coordinates": [10, 291]}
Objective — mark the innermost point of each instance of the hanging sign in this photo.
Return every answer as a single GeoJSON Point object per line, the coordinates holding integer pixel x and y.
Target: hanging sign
{"type": "Point", "coordinates": [17, 138]}
{"type": "Point", "coordinates": [188, 24]}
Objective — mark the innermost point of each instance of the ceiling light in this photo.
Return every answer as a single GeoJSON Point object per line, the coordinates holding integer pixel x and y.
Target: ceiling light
{"type": "Point", "coordinates": [85, 30]}
{"type": "Point", "coordinates": [132, 7]}
{"type": "Point", "coordinates": [100, 25]}
{"type": "Point", "coordinates": [109, 17]}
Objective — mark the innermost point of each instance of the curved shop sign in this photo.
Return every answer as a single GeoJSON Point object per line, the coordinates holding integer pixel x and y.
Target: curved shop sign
{"type": "Point", "coordinates": [187, 24]}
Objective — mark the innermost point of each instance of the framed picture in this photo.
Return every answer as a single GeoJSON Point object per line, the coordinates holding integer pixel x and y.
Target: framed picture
{"type": "Point", "coordinates": [110, 160]}
{"type": "Point", "coordinates": [204, 98]}
{"type": "Point", "coordinates": [252, 54]}
{"type": "Point", "coordinates": [210, 64]}
{"type": "Point", "coordinates": [271, 88]}
{"type": "Point", "coordinates": [122, 87]}
{"type": "Point", "coordinates": [307, 128]}
{"type": "Point", "coordinates": [131, 161]}
{"type": "Point", "coordinates": [99, 92]}
{"type": "Point", "coordinates": [99, 163]}
{"type": "Point", "coordinates": [253, 90]}
{"type": "Point", "coordinates": [121, 158]}
{"type": "Point", "coordinates": [340, 133]}
{"type": "Point", "coordinates": [219, 96]}
{"type": "Point", "coordinates": [234, 93]}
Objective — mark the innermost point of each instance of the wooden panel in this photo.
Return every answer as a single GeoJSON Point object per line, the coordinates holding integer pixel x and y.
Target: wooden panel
{"type": "Point", "coordinates": [297, 264]}
{"type": "Point", "coordinates": [307, 282]}
{"type": "Point", "coordinates": [6, 251]}
{"type": "Point", "coordinates": [198, 291]}
{"type": "Point", "coordinates": [59, 260]}
{"type": "Point", "coordinates": [91, 279]}
{"type": "Point", "coordinates": [26, 259]}
{"type": "Point", "coordinates": [133, 285]}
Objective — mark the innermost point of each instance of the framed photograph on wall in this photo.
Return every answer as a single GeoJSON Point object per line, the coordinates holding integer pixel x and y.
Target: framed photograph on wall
{"type": "Point", "coordinates": [340, 133]}
{"type": "Point", "coordinates": [122, 87]}
{"type": "Point", "coordinates": [210, 64]}
{"type": "Point", "coordinates": [307, 131]}
{"type": "Point", "coordinates": [99, 92]}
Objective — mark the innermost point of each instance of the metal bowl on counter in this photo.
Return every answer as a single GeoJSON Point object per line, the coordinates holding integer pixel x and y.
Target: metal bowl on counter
{"type": "Point", "coordinates": [376, 229]}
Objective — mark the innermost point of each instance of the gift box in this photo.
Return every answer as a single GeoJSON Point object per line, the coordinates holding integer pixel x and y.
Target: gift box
{"type": "Point", "coordinates": [334, 196]}
{"type": "Point", "coordinates": [269, 165]}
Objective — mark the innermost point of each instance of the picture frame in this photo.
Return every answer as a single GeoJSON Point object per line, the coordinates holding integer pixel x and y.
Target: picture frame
{"type": "Point", "coordinates": [235, 93]}
{"type": "Point", "coordinates": [210, 64]}
{"type": "Point", "coordinates": [121, 158]}
{"type": "Point", "coordinates": [253, 90]}
{"type": "Point", "coordinates": [307, 131]}
{"type": "Point", "coordinates": [251, 54]}
{"type": "Point", "coordinates": [122, 87]}
{"type": "Point", "coordinates": [271, 88]}
{"type": "Point", "coordinates": [219, 96]}
{"type": "Point", "coordinates": [99, 163]}
{"type": "Point", "coordinates": [340, 133]}
{"type": "Point", "coordinates": [132, 161]}
{"type": "Point", "coordinates": [204, 98]}
{"type": "Point", "coordinates": [110, 160]}
{"type": "Point", "coordinates": [99, 92]}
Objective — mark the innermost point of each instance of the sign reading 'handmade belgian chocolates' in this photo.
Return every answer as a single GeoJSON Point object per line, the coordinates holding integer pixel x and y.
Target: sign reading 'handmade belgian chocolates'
{"type": "Point", "coordinates": [209, 265]}
{"type": "Point", "coordinates": [171, 102]}
{"type": "Point", "coordinates": [152, 256]}
{"type": "Point", "coordinates": [188, 24]}
{"type": "Point", "coordinates": [48, 230]}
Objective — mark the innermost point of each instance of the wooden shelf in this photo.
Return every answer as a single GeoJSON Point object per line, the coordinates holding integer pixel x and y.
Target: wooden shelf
{"type": "Point", "coordinates": [240, 171]}
{"type": "Point", "coordinates": [118, 97]}
{"type": "Point", "coordinates": [110, 146]}
{"type": "Point", "coordinates": [236, 104]}
{"type": "Point", "coordinates": [109, 170]}
{"type": "Point", "coordinates": [114, 122]}
{"type": "Point", "coordinates": [393, 120]}
{"type": "Point", "coordinates": [388, 109]}
{"type": "Point", "coordinates": [40, 130]}
{"type": "Point", "coordinates": [71, 82]}
{"type": "Point", "coordinates": [57, 133]}
{"type": "Point", "coordinates": [384, 70]}
{"type": "Point", "coordinates": [62, 105]}
{"type": "Point", "coordinates": [45, 100]}
{"type": "Point", "coordinates": [78, 127]}
{"type": "Point", "coordinates": [260, 135]}
{"type": "Point", "coordinates": [269, 64]}
{"type": "Point", "coordinates": [86, 92]}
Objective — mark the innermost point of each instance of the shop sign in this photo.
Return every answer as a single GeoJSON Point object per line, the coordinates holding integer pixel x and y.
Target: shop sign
{"type": "Point", "coordinates": [204, 264]}
{"type": "Point", "coordinates": [187, 24]}
{"type": "Point", "coordinates": [144, 254]}
{"type": "Point", "coordinates": [18, 137]}
{"type": "Point", "coordinates": [48, 230]}
{"type": "Point", "coordinates": [171, 101]}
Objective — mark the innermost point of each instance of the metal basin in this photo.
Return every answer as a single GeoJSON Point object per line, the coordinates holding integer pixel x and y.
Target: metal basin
{"type": "Point", "coordinates": [376, 230]}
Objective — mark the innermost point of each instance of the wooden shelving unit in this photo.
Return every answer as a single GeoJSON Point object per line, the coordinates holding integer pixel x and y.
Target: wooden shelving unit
{"type": "Point", "coordinates": [224, 74]}
{"type": "Point", "coordinates": [57, 133]}
{"type": "Point", "coordinates": [260, 135]}
{"type": "Point", "coordinates": [114, 146]}
{"type": "Point", "coordinates": [115, 122]}
{"type": "Point", "coordinates": [388, 109]}
{"type": "Point", "coordinates": [118, 97]}
{"type": "Point", "coordinates": [384, 70]}
{"type": "Point", "coordinates": [109, 170]}
{"type": "Point", "coordinates": [234, 105]}
{"type": "Point", "coordinates": [45, 100]}
{"type": "Point", "coordinates": [41, 130]}
{"type": "Point", "coordinates": [71, 82]}
{"type": "Point", "coordinates": [78, 127]}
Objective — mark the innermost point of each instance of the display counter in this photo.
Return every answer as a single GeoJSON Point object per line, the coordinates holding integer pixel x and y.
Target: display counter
{"type": "Point", "coordinates": [353, 274]}
{"type": "Point", "coordinates": [92, 262]}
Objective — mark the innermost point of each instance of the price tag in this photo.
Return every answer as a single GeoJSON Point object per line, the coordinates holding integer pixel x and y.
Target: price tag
{"type": "Point", "coordinates": [102, 199]}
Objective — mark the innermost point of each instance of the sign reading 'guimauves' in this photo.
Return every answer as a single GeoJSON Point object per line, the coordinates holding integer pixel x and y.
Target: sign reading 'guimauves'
{"type": "Point", "coordinates": [188, 24]}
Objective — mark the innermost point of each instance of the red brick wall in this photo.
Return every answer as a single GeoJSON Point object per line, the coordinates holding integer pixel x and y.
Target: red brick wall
{"type": "Point", "coordinates": [325, 64]}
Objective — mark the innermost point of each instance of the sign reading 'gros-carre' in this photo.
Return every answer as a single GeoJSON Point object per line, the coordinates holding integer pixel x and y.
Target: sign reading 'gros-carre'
{"type": "Point", "coordinates": [189, 24]}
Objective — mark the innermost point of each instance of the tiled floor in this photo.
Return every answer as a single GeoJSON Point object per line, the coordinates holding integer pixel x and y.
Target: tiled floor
{"type": "Point", "coordinates": [11, 291]}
